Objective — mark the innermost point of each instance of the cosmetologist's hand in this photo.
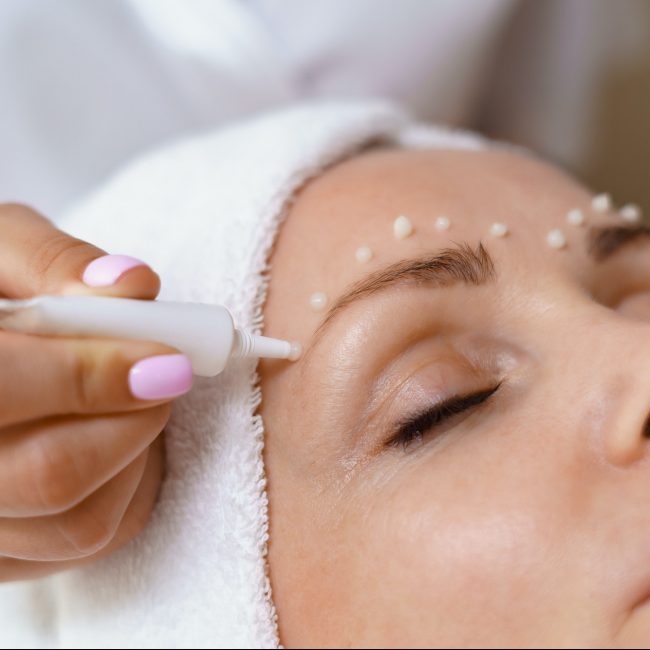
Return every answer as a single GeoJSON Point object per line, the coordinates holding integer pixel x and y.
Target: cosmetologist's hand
{"type": "Point", "coordinates": [80, 419]}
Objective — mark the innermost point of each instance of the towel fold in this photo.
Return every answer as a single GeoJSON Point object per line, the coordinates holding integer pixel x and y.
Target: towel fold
{"type": "Point", "coordinates": [204, 213]}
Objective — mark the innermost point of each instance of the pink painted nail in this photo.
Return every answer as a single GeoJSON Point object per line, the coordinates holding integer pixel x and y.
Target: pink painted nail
{"type": "Point", "coordinates": [107, 270]}
{"type": "Point", "coordinates": [161, 377]}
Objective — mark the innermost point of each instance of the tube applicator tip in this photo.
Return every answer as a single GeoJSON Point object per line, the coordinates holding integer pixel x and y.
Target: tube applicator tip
{"type": "Point", "coordinates": [247, 345]}
{"type": "Point", "coordinates": [295, 351]}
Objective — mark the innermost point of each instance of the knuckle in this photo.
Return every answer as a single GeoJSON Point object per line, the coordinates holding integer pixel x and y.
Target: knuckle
{"type": "Point", "coordinates": [134, 522]}
{"type": "Point", "coordinates": [89, 365]}
{"type": "Point", "coordinates": [146, 426]}
{"type": "Point", "coordinates": [11, 211]}
{"type": "Point", "coordinates": [83, 369]}
{"type": "Point", "coordinates": [88, 530]}
{"type": "Point", "coordinates": [53, 253]}
{"type": "Point", "coordinates": [159, 417]}
{"type": "Point", "coordinates": [144, 500]}
{"type": "Point", "coordinates": [54, 482]}
{"type": "Point", "coordinates": [136, 518]}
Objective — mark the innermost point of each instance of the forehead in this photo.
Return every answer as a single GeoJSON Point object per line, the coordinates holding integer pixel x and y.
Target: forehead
{"type": "Point", "coordinates": [356, 202]}
{"type": "Point", "coordinates": [466, 184]}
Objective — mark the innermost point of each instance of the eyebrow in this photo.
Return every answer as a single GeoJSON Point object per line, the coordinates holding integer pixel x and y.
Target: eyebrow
{"type": "Point", "coordinates": [448, 267]}
{"type": "Point", "coordinates": [464, 265]}
{"type": "Point", "coordinates": [604, 241]}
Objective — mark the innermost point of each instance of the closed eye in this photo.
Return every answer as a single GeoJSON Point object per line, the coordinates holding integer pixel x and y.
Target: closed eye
{"type": "Point", "coordinates": [414, 428]}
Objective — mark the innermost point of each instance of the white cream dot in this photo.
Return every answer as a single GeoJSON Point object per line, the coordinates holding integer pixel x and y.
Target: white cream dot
{"type": "Point", "coordinates": [498, 229]}
{"type": "Point", "coordinates": [443, 223]}
{"type": "Point", "coordinates": [556, 239]}
{"type": "Point", "coordinates": [575, 217]}
{"type": "Point", "coordinates": [602, 203]}
{"type": "Point", "coordinates": [402, 227]}
{"type": "Point", "coordinates": [363, 254]}
{"type": "Point", "coordinates": [630, 213]}
{"type": "Point", "coordinates": [317, 301]}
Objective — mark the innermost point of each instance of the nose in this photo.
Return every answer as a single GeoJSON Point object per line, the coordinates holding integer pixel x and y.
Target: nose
{"type": "Point", "coordinates": [629, 435]}
{"type": "Point", "coordinates": [622, 354]}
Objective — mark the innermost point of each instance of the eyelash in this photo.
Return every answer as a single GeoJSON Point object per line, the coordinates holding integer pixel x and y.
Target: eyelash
{"type": "Point", "coordinates": [415, 428]}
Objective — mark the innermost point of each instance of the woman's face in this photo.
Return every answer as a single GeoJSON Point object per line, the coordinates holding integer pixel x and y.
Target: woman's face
{"type": "Point", "coordinates": [518, 514]}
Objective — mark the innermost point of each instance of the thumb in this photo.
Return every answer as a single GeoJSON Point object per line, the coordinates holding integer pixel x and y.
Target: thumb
{"type": "Point", "coordinates": [37, 258]}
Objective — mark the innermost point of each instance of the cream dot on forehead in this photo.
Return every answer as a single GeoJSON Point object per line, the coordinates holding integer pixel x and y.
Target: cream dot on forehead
{"type": "Point", "coordinates": [630, 213]}
{"type": "Point", "coordinates": [556, 239]}
{"type": "Point", "coordinates": [443, 223]}
{"type": "Point", "coordinates": [363, 254]}
{"type": "Point", "coordinates": [575, 217]}
{"type": "Point", "coordinates": [602, 202]}
{"type": "Point", "coordinates": [402, 227]}
{"type": "Point", "coordinates": [318, 301]}
{"type": "Point", "coordinates": [499, 229]}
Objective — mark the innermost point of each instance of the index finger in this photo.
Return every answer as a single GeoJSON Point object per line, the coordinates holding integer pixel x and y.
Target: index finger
{"type": "Point", "coordinates": [36, 258]}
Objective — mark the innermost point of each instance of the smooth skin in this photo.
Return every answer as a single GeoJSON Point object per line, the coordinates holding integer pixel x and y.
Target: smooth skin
{"type": "Point", "coordinates": [81, 458]}
{"type": "Point", "coordinates": [523, 522]}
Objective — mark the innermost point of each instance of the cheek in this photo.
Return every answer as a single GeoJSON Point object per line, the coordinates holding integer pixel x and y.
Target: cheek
{"type": "Point", "coordinates": [462, 553]}
{"type": "Point", "coordinates": [453, 548]}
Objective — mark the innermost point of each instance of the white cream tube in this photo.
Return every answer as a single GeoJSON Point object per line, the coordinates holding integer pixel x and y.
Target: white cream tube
{"type": "Point", "coordinates": [205, 333]}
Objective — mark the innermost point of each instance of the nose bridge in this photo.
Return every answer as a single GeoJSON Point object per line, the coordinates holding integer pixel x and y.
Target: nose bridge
{"type": "Point", "coordinates": [609, 357]}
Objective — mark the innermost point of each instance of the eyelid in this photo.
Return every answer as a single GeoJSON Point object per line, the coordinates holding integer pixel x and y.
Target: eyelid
{"type": "Point", "coordinates": [444, 365]}
{"type": "Point", "coordinates": [451, 359]}
{"type": "Point", "coordinates": [420, 421]}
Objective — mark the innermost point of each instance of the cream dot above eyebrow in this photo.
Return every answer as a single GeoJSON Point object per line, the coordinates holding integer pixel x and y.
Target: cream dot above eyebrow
{"type": "Point", "coordinates": [602, 203]}
{"type": "Point", "coordinates": [630, 213]}
{"type": "Point", "coordinates": [575, 217]}
{"type": "Point", "coordinates": [556, 239]}
{"type": "Point", "coordinates": [363, 254]}
{"type": "Point", "coordinates": [317, 301]}
{"type": "Point", "coordinates": [498, 229]}
{"type": "Point", "coordinates": [402, 227]}
{"type": "Point", "coordinates": [443, 223]}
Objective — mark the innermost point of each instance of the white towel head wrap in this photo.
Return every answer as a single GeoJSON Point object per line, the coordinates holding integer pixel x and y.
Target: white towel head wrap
{"type": "Point", "coordinates": [204, 213]}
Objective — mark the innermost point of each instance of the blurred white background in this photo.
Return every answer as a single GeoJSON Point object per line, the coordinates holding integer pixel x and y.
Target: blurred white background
{"type": "Point", "coordinates": [87, 84]}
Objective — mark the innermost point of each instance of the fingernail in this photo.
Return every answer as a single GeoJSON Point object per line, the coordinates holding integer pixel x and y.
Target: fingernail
{"type": "Point", "coordinates": [107, 270]}
{"type": "Point", "coordinates": [161, 377]}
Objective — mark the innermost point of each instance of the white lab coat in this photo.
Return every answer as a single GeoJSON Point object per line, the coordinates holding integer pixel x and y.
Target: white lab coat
{"type": "Point", "coordinates": [87, 84]}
